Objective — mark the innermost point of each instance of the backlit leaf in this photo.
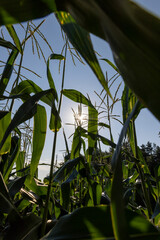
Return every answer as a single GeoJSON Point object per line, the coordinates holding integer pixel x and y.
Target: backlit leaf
{"type": "Point", "coordinates": [39, 134]}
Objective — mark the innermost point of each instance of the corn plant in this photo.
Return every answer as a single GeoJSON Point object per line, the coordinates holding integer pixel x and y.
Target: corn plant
{"type": "Point", "coordinates": [132, 200]}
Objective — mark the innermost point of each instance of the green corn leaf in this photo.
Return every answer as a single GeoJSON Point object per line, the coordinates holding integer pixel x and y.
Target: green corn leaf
{"type": "Point", "coordinates": [122, 135]}
{"type": "Point", "coordinates": [66, 169]}
{"type": "Point", "coordinates": [55, 120]}
{"type": "Point", "coordinates": [80, 39]}
{"type": "Point", "coordinates": [104, 140]}
{"type": "Point", "coordinates": [39, 134]}
{"type": "Point", "coordinates": [36, 186]}
{"type": "Point", "coordinates": [4, 122]}
{"type": "Point", "coordinates": [20, 163]}
{"type": "Point", "coordinates": [15, 148]}
{"type": "Point", "coordinates": [111, 64]}
{"type": "Point", "coordinates": [128, 102]}
{"type": "Point", "coordinates": [6, 44]}
{"type": "Point", "coordinates": [26, 111]}
{"type": "Point", "coordinates": [133, 35]}
{"type": "Point", "coordinates": [92, 129]}
{"type": "Point", "coordinates": [15, 38]}
{"type": "Point", "coordinates": [95, 223]}
{"type": "Point", "coordinates": [76, 143]}
{"type": "Point", "coordinates": [77, 96]}
{"type": "Point", "coordinates": [117, 205]}
{"type": "Point", "coordinates": [101, 124]}
{"type": "Point", "coordinates": [27, 87]}
{"type": "Point", "coordinates": [95, 191]}
{"type": "Point", "coordinates": [15, 11]}
{"type": "Point", "coordinates": [49, 75]}
{"type": "Point", "coordinates": [7, 71]}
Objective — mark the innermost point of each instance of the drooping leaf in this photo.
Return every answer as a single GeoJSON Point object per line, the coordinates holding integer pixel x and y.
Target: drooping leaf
{"type": "Point", "coordinates": [6, 44]}
{"type": "Point", "coordinates": [66, 169]}
{"type": "Point", "coordinates": [76, 96]}
{"type": "Point", "coordinates": [27, 87]}
{"type": "Point", "coordinates": [15, 11]}
{"type": "Point", "coordinates": [133, 35]}
{"type": "Point", "coordinates": [15, 37]}
{"type": "Point", "coordinates": [55, 120]}
{"type": "Point", "coordinates": [39, 134]}
{"type": "Point", "coordinates": [80, 39]}
{"type": "Point", "coordinates": [111, 64]}
{"type": "Point", "coordinates": [26, 111]}
{"type": "Point", "coordinates": [49, 75]}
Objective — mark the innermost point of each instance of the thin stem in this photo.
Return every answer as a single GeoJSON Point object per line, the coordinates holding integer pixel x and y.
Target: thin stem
{"type": "Point", "coordinates": [20, 65]}
{"type": "Point", "coordinates": [44, 220]}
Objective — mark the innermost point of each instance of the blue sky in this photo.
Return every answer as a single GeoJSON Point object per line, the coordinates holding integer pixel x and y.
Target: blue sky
{"type": "Point", "coordinates": [81, 78]}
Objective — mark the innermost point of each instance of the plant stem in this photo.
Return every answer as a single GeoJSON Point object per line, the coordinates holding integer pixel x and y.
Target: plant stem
{"type": "Point", "coordinates": [44, 220]}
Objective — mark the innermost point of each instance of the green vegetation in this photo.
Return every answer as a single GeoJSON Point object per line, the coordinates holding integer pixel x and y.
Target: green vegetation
{"type": "Point", "coordinates": [94, 194]}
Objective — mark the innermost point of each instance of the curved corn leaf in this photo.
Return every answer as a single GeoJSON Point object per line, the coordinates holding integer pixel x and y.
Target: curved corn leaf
{"type": "Point", "coordinates": [26, 111]}
{"type": "Point", "coordinates": [66, 169]}
{"type": "Point", "coordinates": [15, 11]}
{"type": "Point", "coordinates": [132, 32]}
{"type": "Point", "coordinates": [15, 38]}
{"type": "Point", "coordinates": [49, 75]}
{"type": "Point", "coordinates": [8, 71]}
{"type": "Point", "coordinates": [76, 96]}
{"type": "Point", "coordinates": [104, 140]}
{"type": "Point", "coordinates": [111, 64]}
{"type": "Point", "coordinates": [117, 205]}
{"type": "Point", "coordinates": [39, 134]}
{"type": "Point", "coordinates": [55, 120]}
{"type": "Point", "coordinates": [6, 44]}
{"type": "Point", "coordinates": [26, 87]}
{"type": "Point", "coordinates": [95, 223]}
{"type": "Point", "coordinates": [80, 39]}
{"type": "Point", "coordinates": [116, 154]}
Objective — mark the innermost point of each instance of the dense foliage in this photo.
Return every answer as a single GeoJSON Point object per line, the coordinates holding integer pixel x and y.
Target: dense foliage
{"type": "Point", "coordinates": [93, 194]}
